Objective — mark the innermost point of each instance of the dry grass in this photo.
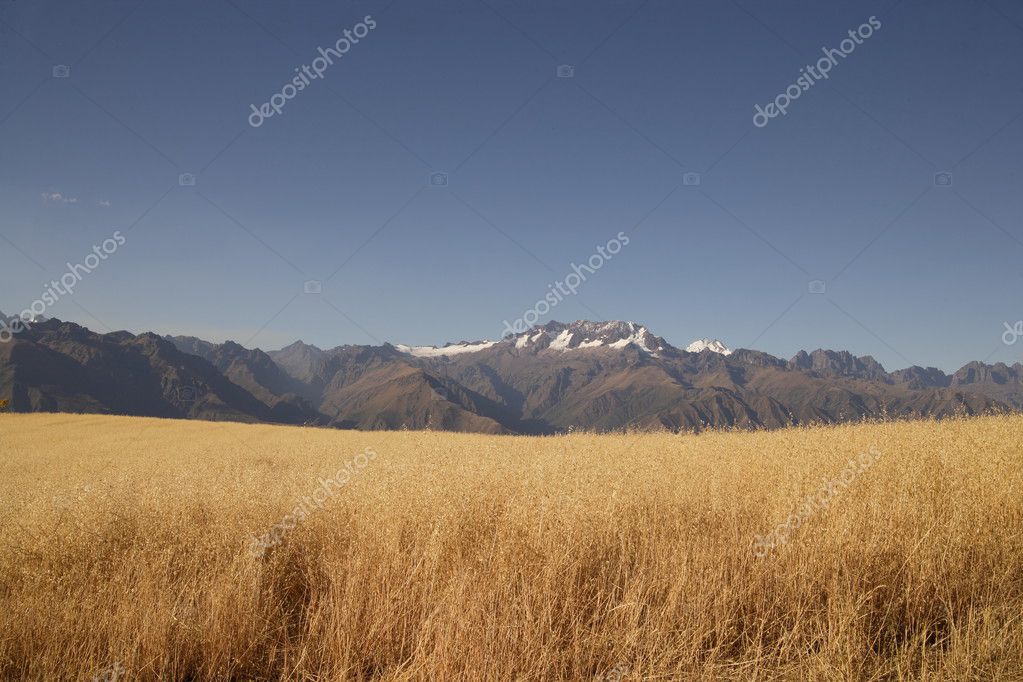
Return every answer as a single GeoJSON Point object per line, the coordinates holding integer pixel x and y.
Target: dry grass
{"type": "Point", "coordinates": [453, 557]}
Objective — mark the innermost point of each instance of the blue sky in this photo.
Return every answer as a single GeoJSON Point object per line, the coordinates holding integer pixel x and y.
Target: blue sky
{"type": "Point", "coordinates": [540, 170]}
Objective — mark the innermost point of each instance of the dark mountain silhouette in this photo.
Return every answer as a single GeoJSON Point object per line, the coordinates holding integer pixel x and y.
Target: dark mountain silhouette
{"type": "Point", "coordinates": [59, 366]}
{"type": "Point", "coordinates": [254, 371]}
{"type": "Point", "coordinates": [587, 375]}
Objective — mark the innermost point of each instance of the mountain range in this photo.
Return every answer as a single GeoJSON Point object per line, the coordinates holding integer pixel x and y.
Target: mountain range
{"type": "Point", "coordinates": [598, 376]}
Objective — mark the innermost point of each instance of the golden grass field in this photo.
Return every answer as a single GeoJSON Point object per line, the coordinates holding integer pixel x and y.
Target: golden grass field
{"type": "Point", "coordinates": [126, 552]}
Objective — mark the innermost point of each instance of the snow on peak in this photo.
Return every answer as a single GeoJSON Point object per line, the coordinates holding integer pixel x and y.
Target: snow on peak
{"type": "Point", "coordinates": [637, 338]}
{"type": "Point", "coordinates": [527, 338]}
{"type": "Point", "coordinates": [450, 349]}
{"type": "Point", "coordinates": [580, 335]}
{"type": "Point", "coordinates": [583, 335]}
{"type": "Point", "coordinates": [714, 346]}
{"type": "Point", "coordinates": [562, 340]}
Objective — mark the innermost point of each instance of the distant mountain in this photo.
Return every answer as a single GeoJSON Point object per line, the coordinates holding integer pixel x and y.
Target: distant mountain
{"type": "Point", "coordinates": [258, 374]}
{"type": "Point", "coordinates": [9, 318]}
{"type": "Point", "coordinates": [835, 364]}
{"type": "Point", "coordinates": [708, 344]}
{"type": "Point", "coordinates": [590, 336]}
{"type": "Point", "coordinates": [998, 381]}
{"type": "Point", "coordinates": [588, 375]}
{"type": "Point", "coordinates": [380, 387]}
{"type": "Point", "coordinates": [59, 366]}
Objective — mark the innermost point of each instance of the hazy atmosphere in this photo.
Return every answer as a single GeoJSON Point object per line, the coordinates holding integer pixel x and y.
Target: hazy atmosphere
{"type": "Point", "coordinates": [461, 157]}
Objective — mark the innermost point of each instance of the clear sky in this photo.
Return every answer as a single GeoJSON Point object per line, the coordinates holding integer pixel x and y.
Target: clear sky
{"type": "Point", "coordinates": [540, 170]}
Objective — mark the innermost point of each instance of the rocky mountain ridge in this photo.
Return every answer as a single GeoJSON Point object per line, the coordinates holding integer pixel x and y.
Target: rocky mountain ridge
{"type": "Point", "coordinates": [598, 376]}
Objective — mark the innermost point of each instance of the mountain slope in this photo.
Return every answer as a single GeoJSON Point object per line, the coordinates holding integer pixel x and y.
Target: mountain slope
{"type": "Point", "coordinates": [257, 373]}
{"type": "Point", "coordinates": [617, 375]}
{"type": "Point", "coordinates": [59, 366]}
{"type": "Point", "coordinates": [589, 375]}
{"type": "Point", "coordinates": [402, 396]}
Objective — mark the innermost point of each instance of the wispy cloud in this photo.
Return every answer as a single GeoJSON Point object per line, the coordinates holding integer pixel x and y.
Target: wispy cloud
{"type": "Point", "coordinates": [61, 198]}
{"type": "Point", "coordinates": [58, 198]}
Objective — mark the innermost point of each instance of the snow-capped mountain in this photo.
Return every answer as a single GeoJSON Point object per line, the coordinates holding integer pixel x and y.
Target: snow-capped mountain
{"type": "Point", "coordinates": [558, 337]}
{"type": "Point", "coordinates": [583, 335]}
{"type": "Point", "coordinates": [450, 349]}
{"type": "Point", "coordinates": [574, 336]}
{"type": "Point", "coordinates": [596, 375]}
{"type": "Point", "coordinates": [714, 346]}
